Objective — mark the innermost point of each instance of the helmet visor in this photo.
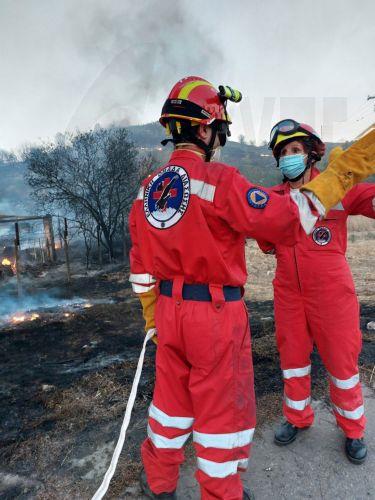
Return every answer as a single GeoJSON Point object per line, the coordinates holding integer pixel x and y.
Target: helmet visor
{"type": "Point", "coordinates": [284, 127]}
{"type": "Point", "coordinates": [288, 127]}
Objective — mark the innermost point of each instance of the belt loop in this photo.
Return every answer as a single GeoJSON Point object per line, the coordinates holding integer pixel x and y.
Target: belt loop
{"type": "Point", "coordinates": [217, 295]}
{"type": "Point", "coordinates": [178, 283]}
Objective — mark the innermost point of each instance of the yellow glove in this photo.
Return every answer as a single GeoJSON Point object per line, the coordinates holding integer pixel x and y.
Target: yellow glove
{"type": "Point", "coordinates": [345, 170]}
{"type": "Point", "coordinates": [148, 301]}
{"type": "Point", "coordinates": [335, 153]}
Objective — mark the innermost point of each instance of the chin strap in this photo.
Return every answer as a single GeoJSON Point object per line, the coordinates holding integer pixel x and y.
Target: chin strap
{"type": "Point", "coordinates": [188, 135]}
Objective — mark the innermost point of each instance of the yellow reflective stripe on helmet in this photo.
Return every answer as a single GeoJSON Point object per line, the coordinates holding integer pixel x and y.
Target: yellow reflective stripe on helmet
{"type": "Point", "coordinates": [281, 137]}
{"type": "Point", "coordinates": [184, 93]}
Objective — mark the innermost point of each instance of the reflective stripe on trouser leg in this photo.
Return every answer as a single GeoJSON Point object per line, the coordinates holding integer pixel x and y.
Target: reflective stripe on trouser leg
{"type": "Point", "coordinates": [166, 431]}
{"type": "Point", "coordinates": [296, 404]}
{"type": "Point", "coordinates": [222, 443]}
{"type": "Point", "coordinates": [170, 413]}
{"type": "Point", "coordinates": [347, 404]}
{"type": "Point", "coordinates": [222, 388]}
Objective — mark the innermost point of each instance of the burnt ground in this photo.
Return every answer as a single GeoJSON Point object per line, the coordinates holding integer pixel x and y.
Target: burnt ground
{"type": "Point", "coordinates": [65, 382]}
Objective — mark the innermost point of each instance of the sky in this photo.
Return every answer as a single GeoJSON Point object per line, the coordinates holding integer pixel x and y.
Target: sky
{"type": "Point", "coordinates": [68, 64]}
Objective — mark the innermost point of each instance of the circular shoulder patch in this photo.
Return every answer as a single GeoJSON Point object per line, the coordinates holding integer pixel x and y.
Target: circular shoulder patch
{"type": "Point", "coordinates": [166, 197]}
{"type": "Point", "coordinates": [322, 235]}
{"type": "Point", "coordinates": [257, 198]}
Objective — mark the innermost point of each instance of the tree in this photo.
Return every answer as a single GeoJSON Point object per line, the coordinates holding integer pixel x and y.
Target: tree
{"type": "Point", "coordinates": [7, 156]}
{"type": "Point", "coordinates": [92, 176]}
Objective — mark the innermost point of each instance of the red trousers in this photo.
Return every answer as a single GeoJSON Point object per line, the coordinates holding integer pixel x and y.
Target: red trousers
{"type": "Point", "coordinates": [204, 386]}
{"type": "Point", "coordinates": [330, 320]}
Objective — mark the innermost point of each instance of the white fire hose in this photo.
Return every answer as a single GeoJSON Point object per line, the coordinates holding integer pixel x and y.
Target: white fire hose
{"type": "Point", "coordinates": [102, 490]}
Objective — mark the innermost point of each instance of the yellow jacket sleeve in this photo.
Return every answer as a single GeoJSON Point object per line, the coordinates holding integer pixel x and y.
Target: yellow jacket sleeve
{"type": "Point", "coordinates": [344, 171]}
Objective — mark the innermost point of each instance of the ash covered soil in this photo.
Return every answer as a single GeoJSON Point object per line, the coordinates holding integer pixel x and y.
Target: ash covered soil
{"type": "Point", "coordinates": [65, 380]}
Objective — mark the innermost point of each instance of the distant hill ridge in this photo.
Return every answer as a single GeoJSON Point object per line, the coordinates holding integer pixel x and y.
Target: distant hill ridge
{"type": "Point", "coordinates": [255, 162]}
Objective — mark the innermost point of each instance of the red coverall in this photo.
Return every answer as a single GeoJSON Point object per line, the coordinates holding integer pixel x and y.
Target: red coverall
{"type": "Point", "coordinates": [316, 303]}
{"type": "Point", "coordinates": [189, 225]}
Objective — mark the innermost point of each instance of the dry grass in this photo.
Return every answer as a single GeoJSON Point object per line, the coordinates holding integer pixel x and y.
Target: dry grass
{"type": "Point", "coordinates": [360, 255]}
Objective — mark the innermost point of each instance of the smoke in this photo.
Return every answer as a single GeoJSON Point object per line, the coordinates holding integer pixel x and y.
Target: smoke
{"type": "Point", "coordinates": [155, 44]}
{"type": "Point", "coordinates": [10, 303]}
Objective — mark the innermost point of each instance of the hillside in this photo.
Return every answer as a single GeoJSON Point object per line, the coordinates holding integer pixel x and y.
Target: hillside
{"type": "Point", "coordinates": [255, 162]}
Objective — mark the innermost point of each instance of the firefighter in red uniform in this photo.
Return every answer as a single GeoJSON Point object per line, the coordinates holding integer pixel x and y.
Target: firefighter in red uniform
{"type": "Point", "coordinates": [315, 300]}
{"type": "Point", "coordinates": [188, 228]}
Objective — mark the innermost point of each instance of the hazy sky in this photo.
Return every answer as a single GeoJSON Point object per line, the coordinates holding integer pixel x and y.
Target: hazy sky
{"type": "Point", "coordinates": [68, 64]}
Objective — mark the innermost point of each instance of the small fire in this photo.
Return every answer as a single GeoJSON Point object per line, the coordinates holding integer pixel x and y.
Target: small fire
{"type": "Point", "coordinates": [8, 263]}
{"type": "Point", "coordinates": [18, 318]}
{"type": "Point", "coordinates": [67, 315]}
{"type": "Point", "coordinates": [87, 305]}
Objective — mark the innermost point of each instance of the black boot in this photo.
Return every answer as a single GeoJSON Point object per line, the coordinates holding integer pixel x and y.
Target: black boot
{"type": "Point", "coordinates": [149, 494]}
{"type": "Point", "coordinates": [356, 450]}
{"type": "Point", "coordinates": [248, 495]}
{"type": "Point", "coordinates": [286, 433]}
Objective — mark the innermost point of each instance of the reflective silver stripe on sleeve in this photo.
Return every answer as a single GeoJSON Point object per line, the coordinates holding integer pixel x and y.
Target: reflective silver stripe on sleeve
{"type": "Point", "coordinates": [202, 189]}
{"type": "Point", "coordinates": [297, 372]}
{"type": "Point", "coordinates": [348, 383]}
{"type": "Point", "coordinates": [350, 414]}
{"type": "Point", "coordinates": [141, 288]}
{"type": "Point", "coordinates": [142, 279]}
{"type": "Point", "coordinates": [168, 421]}
{"type": "Point", "coordinates": [163, 442]}
{"type": "Point", "coordinates": [297, 405]}
{"type": "Point", "coordinates": [141, 193]}
{"type": "Point", "coordinates": [224, 441]}
{"type": "Point", "coordinates": [307, 218]}
{"type": "Point", "coordinates": [219, 469]}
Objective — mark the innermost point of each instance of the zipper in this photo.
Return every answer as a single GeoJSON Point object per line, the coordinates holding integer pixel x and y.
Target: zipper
{"type": "Point", "coordinates": [295, 260]}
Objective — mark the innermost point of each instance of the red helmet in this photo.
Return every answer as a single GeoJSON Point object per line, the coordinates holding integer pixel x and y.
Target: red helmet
{"type": "Point", "coordinates": [288, 130]}
{"type": "Point", "coordinates": [194, 99]}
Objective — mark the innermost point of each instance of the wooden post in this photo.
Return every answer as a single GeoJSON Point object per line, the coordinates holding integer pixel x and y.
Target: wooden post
{"type": "Point", "coordinates": [60, 232]}
{"type": "Point", "coordinates": [66, 248]}
{"type": "Point", "coordinates": [50, 238]}
{"type": "Point", "coordinates": [35, 254]}
{"type": "Point", "coordinates": [17, 258]}
{"type": "Point", "coordinates": [41, 251]}
{"type": "Point", "coordinates": [100, 256]}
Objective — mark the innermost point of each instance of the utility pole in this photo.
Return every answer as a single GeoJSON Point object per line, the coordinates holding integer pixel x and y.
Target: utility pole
{"type": "Point", "coordinates": [17, 258]}
{"type": "Point", "coordinates": [66, 248]}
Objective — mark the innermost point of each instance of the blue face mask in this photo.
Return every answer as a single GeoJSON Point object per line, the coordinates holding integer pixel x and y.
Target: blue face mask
{"type": "Point", "coordinates": [292, 166]}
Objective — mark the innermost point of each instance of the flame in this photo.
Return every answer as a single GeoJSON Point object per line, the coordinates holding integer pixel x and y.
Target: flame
{"type": "Point", "coordinates": [18, 318]}
{"type": "Point", "coordinates": [67, 315]}
{"type": "Point", "coordinates": [9, 263]}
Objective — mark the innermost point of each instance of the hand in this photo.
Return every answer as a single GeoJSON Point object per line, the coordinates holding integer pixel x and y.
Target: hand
{"type": "Point", "coordinates": [335, 153]}
{"type": "Point", "coordinates": [345, 169]}
{"type": "Point", "coordinates": [154, 338]}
